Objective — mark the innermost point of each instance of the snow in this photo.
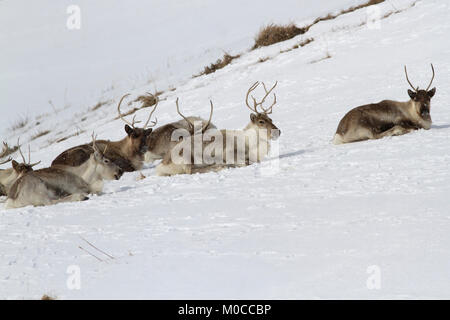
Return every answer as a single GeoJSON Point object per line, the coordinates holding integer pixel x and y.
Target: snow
{"type": "Point", "coordinates": [306, 225]}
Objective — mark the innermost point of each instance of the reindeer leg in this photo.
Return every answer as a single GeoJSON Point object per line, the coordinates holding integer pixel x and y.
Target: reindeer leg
{"type": "Point", "coordinates": [72, 198]}
{"type": "Point", "coordinates": [394, 131]}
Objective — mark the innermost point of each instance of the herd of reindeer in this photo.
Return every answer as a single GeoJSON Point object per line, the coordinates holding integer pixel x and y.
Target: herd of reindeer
{"type": "Point", "coordinates": [81, 170]}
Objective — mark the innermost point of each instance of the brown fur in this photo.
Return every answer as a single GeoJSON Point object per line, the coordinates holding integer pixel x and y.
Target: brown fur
{"type": "Point", "coordinates": [127, 153]}
{"type": "Point", "coordinates": [9, 176]}
{"type": "Point", "coordinates": [159, 142]}
{"type": "Point", "coordinates": [386, 118]}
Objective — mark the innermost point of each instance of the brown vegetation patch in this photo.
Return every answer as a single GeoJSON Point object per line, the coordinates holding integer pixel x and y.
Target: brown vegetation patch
{"type": "Point", "coordinates": [345, 11]}
{"type": "Point", "coordinates": [274, 33]}
{"type": "Point", "coordinates": [261, 60]}
{"type": "Point", "coordinates": [100, 104]}
{"type": "Point", "coordinates": [47, 297]}
{"type": "Point", "coordinates": [327, 56]}
{"type": "Point", "coordinates": [219, 64]}
{"type": "Point", "coordinates": [147, 100]}
{"type": "Point", "coordinates": [40, 134]}
{"type": "Point", "coordinates": [19, 124]}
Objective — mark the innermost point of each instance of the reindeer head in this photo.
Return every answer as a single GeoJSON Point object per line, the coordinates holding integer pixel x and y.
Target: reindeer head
{"type": "Point", "coordinates": [25, 166]}
{"type": "Point", "coordinates": [422, 99]}
{"type": "Point", "coordinates": [107, 169]}
{"type": "Point", "coordinates": [137, 137]}
{"type": "Point", "coordinates": [260, 120]}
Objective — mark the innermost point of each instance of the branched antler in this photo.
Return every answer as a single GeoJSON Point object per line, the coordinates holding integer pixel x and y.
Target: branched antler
{"type": "Point", "coordinates": [191, 125]}
{"type": "Point", "coordinates": [132, 124]}
{"type": "Point", "coordinates": [151, 113]}
{"type": "Point", "coordinates": [121, 116]}
{"type": "Point", "coordinates": [29, 158]}
{"type": "Point", "coordinates": [94, 145]}
{"type": "Point", "coordinates": [260, 104]}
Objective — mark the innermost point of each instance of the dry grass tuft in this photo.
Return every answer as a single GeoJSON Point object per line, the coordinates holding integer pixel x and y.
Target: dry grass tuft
{"type": "Point", "coordinates": [273, 33]}
{"type": "Point", "coordinates": [19, 124]}
{"type": "Point", "coordinates": [261, 60]}
{"type": "Point", "coordinates": [305, 42]}
{"type": "Point", "coordinates": [327, 56]}
{"type": "Point", "coordinates": [40, 134]}
{"type": "Point", "coordinates": [345, 11]}
{"type": "Point", "coordinates": [99, 105]}
{"type": "Point", "coordinates": [47, 297]}
{"type": "Point", "coordinates": [219, 64]}
{"type": "Point", "coordinates": [147, 100]}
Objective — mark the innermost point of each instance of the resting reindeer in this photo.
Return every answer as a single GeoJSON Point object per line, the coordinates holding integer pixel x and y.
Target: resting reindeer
{"type": "Point", "coordinates": [218, 147]}
{"type": "Point", "coordinates": [387, 118]}
{"type": "Point", "coordinates": [9, 176]}
{"type": "Point", "coordinates": [159, 142]}
{"type": "Point", "coordinates": [127, 153]}
{"type": "Point", "coordinates": [62, 183]}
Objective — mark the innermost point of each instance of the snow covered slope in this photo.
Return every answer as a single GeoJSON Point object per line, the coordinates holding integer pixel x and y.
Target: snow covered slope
{"type": "Point", "coordinates": [122, 45]}
{"type": "Point", "coordinates": [310, 224]}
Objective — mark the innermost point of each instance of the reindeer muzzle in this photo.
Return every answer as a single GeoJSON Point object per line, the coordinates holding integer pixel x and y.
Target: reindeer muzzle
{"type": "Point", "coordinates": [118, 175]}
{"type": "Point", "coordinates": [276, 133]}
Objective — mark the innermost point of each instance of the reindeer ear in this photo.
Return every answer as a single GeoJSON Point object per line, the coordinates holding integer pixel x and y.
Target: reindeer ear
{"type": "Point", "coordinates": [15, 165]}
{"type": "Point", "coordinates": [432, 92]}
{"type": "Point", "coordinates": [412, 94]}
{"type": "Point", "coordinates": [129, 130]}
{"type": "Point", "coordinates": [252, 117]}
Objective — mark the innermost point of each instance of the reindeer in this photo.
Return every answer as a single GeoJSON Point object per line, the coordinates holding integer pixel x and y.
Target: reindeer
{"type": "Point", "coordinates": [9, 176]}
{"type": "Point", "coordinates": [255, 138]}
{"type": "Point", "coordinates": [127, 153]}
{"type": "Point", "coordinates": [387, 118]}
{"type": "Point", "coordinates": [159, 142]}
{"type": "Point", "coordinates": [62, 183]}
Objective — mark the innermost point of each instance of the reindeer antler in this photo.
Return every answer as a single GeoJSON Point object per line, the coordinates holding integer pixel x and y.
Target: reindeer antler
{"type": "Point", "coordinates": [4, 148]}
{"type": "Point", "coordinates": [21, 154]}
{"type": "Point", "coordinates": [407, 79]}
{"type": "Point", "coordinates": [417, 89]}
{"type": "Point", "coordinates": [6, 161]}
{"type": "Point", "coordinates": [191, 125]}
{"type": "Point", "coordinates": [121, 116]}
{"type": "Point", "coordinates": [432, 78]}
{"type": "Point", "coordinates": [210, 117]}
{"type": "Point", "coordinates": [269, 109]}
{"type": "Point", "coordinates": [94, 144]}
{"type": "Point", "coordinates": [151, 113]}
{"type": "Point", "coordinates": [260, 104]}
{"type": "Point", "coordinates": [29, 158]}
{"type": "Point", "coordinates": [253, 87]}
{"type": "Point", "coordinates": [187, 120]}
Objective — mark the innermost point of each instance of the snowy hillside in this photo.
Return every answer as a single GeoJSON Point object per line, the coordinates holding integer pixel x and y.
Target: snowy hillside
{"type": "Point", "coordinates": [310, 224]}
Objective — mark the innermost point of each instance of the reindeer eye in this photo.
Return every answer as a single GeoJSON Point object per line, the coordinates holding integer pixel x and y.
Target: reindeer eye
{"type": "Point", "coordinates": [261, 121]}
{"type": "Point", "coordinates": [106, 160]}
